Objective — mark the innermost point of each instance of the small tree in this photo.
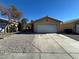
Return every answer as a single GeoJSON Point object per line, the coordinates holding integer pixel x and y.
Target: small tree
{"type": "Point", "coordinates": [24, 23]}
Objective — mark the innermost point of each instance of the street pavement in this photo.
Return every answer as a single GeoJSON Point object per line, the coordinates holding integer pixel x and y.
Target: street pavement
{"type": "Point", "coordinates": [39, 46]}
{"type": "Point", "coordinates": [74, 36]}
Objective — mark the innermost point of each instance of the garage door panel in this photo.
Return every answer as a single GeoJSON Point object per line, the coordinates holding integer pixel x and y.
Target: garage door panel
{"type": "Point", "coordinates": [77, 28]}
{"type": "Point", "coordinates": [46, 28]}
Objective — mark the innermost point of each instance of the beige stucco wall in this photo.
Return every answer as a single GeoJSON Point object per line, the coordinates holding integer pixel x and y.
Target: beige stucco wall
{"type": "Point", "coordinates": [70, 25]}
{"type": "Point", "coordinates": [43, 22]}
{"type": "Point", "coordinates": [66, 26]}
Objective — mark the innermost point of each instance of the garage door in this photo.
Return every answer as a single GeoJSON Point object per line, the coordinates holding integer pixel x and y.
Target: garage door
{"type": "Point", "coordinates": [46, 28]}
{"type": "Point", "coordinates": [77, 28]}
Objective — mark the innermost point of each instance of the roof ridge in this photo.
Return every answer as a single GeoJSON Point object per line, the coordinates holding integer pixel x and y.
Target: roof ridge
{"type": "Point", "coordinates": [47, 17]}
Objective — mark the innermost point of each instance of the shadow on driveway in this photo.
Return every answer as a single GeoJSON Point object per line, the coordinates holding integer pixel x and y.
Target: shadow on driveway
{"type": "Point", "coordinates": [28, 32]}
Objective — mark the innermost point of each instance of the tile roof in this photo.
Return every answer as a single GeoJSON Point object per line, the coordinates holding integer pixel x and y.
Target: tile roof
{"type": "Point", "coordinates": [73, 20]}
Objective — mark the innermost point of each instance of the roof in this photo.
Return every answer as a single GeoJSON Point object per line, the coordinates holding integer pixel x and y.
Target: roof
{"type": "Point", "coordinates": [73, 20]}
{"type": "Point", "coordinates": [47, 17]}
{"type": "Point", "coordinates": [3, 21]}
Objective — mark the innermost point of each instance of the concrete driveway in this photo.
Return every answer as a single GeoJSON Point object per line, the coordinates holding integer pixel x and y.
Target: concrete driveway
{"type": "Point", "coordinates": [39, 46]}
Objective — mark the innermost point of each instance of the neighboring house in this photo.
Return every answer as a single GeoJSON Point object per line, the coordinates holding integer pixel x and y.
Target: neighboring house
{"type": "Point", "coordinates": [72, 26]}
{"type": "Point", "coordinates": [45, 25]}
{"type": "Point", "coordinates": [3, 24]}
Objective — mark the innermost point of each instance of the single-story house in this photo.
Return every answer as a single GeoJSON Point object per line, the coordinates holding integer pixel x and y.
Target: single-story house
{"type": "Point", "coordinates": [72, 26]}
{"type": "Point", "coordinates": [45, 25]}
{"type": "Point", "coordinates": [3, 24]}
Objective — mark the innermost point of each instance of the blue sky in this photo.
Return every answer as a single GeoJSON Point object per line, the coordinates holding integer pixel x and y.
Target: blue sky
{"type": "Point", "coordinates": [33, 9]}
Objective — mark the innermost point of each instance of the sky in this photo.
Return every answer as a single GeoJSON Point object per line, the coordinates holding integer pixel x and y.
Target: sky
{"type": "Point", "coordinates": [63, 10]}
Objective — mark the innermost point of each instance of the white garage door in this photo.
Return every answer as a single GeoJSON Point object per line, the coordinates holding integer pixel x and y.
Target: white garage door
{"type": "Point", "coordinates": [46, 28]}
{"type": "Point", "coordinates": [77, 28]}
